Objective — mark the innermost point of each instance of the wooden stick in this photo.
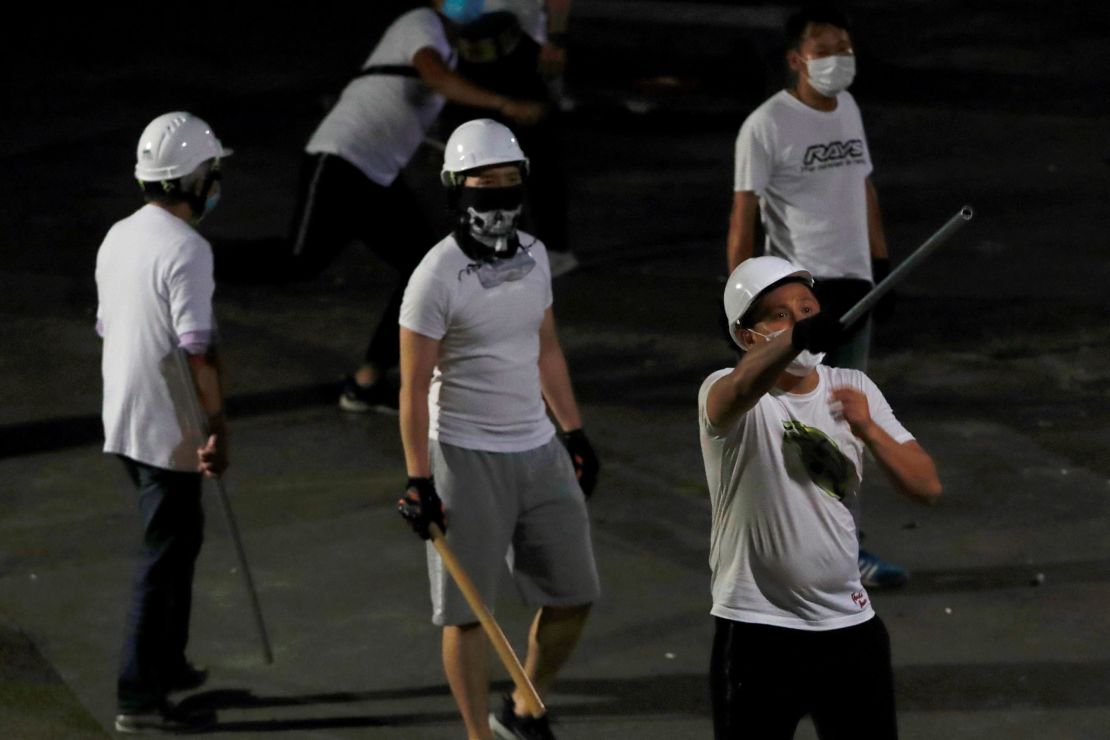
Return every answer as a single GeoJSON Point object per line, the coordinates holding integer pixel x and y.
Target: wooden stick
{"type": "Point", "coordinates": [532, 701]}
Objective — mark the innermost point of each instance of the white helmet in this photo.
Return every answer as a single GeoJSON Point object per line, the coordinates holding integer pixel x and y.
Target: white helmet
{"type": "Point", "coordinates": [173, 145]}
{"type": "Point", "coordinates": [750, 280]}
{"type": "Point", "coordinates": [479, 143]}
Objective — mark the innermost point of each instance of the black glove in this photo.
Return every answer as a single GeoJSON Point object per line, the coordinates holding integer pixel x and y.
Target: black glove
{"type": "Point", "coordinates": [421, 506]}
{"type": "Point", "coordinates": [582, 455]}
{"type": "Point", "coordinates": [884, 309]}
{"type": "Point", "coordinates": [820, 333]}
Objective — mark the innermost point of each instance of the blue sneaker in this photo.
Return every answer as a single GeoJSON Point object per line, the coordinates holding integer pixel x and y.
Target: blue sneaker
{"type": "Point", "coordinates": [878, 574]}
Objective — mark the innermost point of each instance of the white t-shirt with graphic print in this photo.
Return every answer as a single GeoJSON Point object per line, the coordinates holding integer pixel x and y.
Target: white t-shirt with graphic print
{"type": "Point", "coordinates": [808, 168]}
{"type": "Point", "coordinates": [783, 547]}
{"type": "Point", "coordinates": [380, 120]}
{"type": "Point", "coordinates": [485, 392]}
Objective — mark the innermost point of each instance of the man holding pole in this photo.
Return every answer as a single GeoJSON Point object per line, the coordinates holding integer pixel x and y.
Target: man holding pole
{"type": "Point", "coordinates": [783, 439]}
{"type": "Point", "coordinates": [155, 285]}
{"type": "Point", "coordinates": [479, 357]}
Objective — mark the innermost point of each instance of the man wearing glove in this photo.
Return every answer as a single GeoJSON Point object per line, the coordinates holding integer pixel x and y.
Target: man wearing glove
{"type": "Point", "coordinates": [479, 358]}
{"type": "Point", "coordinates": [782, 439]}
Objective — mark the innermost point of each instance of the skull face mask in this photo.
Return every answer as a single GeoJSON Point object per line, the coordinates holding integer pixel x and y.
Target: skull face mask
{"type": "Point", "coordinates": [487, 220]}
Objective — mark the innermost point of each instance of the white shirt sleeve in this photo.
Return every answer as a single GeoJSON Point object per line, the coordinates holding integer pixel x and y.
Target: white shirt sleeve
{"type": "Point", "coordinates": [881, 412]}
{"type": "Point", "coordinates": [754, 157]}
{"type": "Point", "coordinates": [426, 31]}
{"type": "Point", "coordinates": [703, 406]}
{"type": "Point", "coordinates": [544, 263]}
{"type": "Point", "coordinates": [425, 308]}
{"type": "Point", "coordinates": [191, 285]}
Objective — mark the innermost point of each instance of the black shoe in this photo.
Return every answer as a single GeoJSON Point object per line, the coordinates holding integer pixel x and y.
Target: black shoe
{"type": "Point", "coordinates": [189, 677]}
{"type": "Point", "coordinates": [364, 399]}
{"type": "Point", "coordinates": [506, 725]}
{"type": "Point", "coordinates": [167, 718]}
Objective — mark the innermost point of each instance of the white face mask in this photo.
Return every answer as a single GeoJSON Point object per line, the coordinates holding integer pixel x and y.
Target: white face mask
{"type": "Point", "coordinates": [803, 364]}
{"type": "Point", "coordinates": [830, 75]}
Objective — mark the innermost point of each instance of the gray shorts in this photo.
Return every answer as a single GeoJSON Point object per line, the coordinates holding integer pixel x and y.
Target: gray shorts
{"type": "Point", "coordinates": [512, 512]}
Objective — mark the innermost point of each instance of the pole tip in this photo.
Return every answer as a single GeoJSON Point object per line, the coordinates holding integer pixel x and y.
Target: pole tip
{"type": "Point", "coordinates": [966, 212]}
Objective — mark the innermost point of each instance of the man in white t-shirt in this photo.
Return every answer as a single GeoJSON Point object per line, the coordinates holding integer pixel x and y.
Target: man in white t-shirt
{"type": "Point", "coordinates": [154, 284]}
{"type": "Point", "coordinates": [803, 169]}
{"type": "Point", "coordinates": [350, 186]}
{"type": "Point", "coordinates": [479, 359]}
{"type": "Point", "coordinates": [783, 439]}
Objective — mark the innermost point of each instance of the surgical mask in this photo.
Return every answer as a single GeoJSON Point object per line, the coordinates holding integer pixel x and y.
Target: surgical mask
{"type": "Point", "coordinates": [829, 75]}
{"type": "Point", "coordinates": [211, 201]}
{"type": "Point", "coordinates": [490, 216]}
{"type": "Point", "coordinates": [463, 11]}
{"type": "Point", "coordinates": [210, 192]}
{"type": "Point", "coordinates": [801, 365]}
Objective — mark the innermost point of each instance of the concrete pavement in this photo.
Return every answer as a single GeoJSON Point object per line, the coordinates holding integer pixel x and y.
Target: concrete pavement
{"type": "Point", "coordinates": [996, 359]}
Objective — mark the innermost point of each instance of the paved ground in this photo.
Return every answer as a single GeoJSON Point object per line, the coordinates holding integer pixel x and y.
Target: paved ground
{"type": "Point", "coordinates": [996, 359]}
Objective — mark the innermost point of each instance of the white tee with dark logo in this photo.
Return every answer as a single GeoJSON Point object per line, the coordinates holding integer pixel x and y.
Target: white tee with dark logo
{"type": "Point", "coordinates": [808, 168]}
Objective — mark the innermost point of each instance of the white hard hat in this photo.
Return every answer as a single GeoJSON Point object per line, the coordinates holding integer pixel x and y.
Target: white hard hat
{"type": "Point", "coordinates": [479, 143]}
{"type": "Point", "coordinates": [173, 145]}
{"type": "Point", "coordinates": [749, 280]}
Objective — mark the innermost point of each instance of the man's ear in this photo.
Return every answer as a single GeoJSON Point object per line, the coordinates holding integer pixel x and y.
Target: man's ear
{"type": "Point", "coordinates": [795, 61]}
{"type": "Point", "coordinates": [745, 336]}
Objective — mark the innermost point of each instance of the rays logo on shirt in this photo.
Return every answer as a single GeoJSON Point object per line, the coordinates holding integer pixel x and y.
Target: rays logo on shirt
{"type": "Point", "coordinates": [826, 465]}
{"type": "Point", "coordinates": [833, 154]}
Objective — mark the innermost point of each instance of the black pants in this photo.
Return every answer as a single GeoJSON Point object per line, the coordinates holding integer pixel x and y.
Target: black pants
{"type": "Point", "coordinates": [764, 679]}
{"type": "Point", "coordinates": [157, 625]}
{"type": "Point", "coordinates": [337, 205]}
{"type": "Point", "coordinates": [516, 74]}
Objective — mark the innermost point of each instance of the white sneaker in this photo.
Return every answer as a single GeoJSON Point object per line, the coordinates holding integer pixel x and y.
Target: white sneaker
{"type": "Point", "coordinates": [561, 262]}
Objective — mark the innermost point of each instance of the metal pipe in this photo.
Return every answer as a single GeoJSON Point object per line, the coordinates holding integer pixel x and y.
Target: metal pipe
{"type": "Point", "coordinates": [899, 273]}
{"type": "Point", "coordinates": [229, 515]}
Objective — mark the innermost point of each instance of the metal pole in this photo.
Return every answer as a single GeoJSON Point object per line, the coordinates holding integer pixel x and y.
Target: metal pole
{"type": "Point", "coordinates": [899, 273]}
{"type": "Point", "coordinates": [229, 515]}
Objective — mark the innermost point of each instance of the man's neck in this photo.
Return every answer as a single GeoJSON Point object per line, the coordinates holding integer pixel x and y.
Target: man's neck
{"type": "Point", "coordinates": [812, 98]}
{"type": "Point", "coordinates": [182, 210]}
{"type": "Point", "coordinates": [800, 385]}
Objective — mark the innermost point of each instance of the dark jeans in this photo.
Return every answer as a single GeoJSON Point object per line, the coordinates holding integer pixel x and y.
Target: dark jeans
{"type": "Point", "coordinates": [157, 626]}
{"type": "Point", "coordinates": [337, 205]}
{"type": "Point", "coordinates": [764, 679]}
